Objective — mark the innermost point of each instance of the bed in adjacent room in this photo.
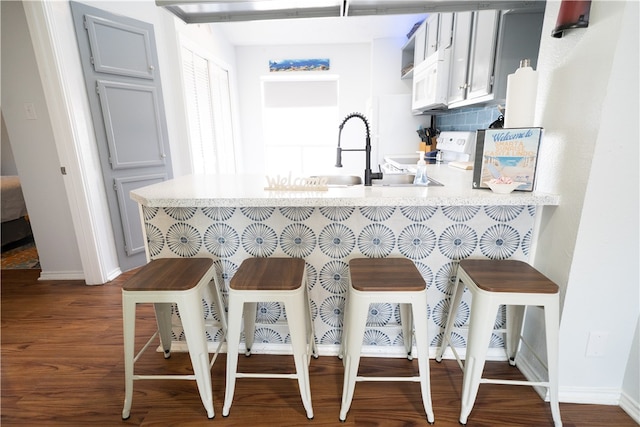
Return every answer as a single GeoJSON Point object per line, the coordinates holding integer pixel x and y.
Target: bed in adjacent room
{"type": "Point", "coordinates": [15, 220]}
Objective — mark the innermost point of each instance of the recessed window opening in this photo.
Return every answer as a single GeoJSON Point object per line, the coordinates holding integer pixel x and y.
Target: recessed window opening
{"type": "Point", "coordinates": [299, 125]}
{"type": "Point", "coordinates": [210, 122]}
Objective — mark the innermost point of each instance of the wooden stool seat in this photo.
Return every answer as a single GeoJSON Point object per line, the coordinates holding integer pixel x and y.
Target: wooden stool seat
{"type": "Point", "coordinates": [388, 275]}
{"type": "Point", "coordinates": [269, 274]}
{"type": "Point", "coordinates": [169, 274]}
{"type": "Point", "coordinates": [507, 276]}
{"type": "Point", "coordinates": [164, 282]}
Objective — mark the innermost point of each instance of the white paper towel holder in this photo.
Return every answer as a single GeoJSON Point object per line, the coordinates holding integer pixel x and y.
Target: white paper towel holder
{"type": "Point", "coordinates": [521, 96]}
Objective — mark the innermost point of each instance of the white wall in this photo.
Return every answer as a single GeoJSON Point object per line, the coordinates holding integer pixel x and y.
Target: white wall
{"type": "Point", "coordinates": [6, 157]}
{"type": "Point", "coordinates": [368, 79]}
{"type": "Point", "coordinates": [354, 81]}
{"type": "Point", "coordinates": [588, 106]}
{"type": "Point", "coordinates": [394, 127]}
{"type": "Point", "coordinates": [34, 149]}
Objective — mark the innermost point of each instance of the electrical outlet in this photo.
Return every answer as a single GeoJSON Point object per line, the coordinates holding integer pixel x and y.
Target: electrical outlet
{"type": "Point", "coordinates": [597, 344]}
{"type": "Point", "coordinates": [30, 111]}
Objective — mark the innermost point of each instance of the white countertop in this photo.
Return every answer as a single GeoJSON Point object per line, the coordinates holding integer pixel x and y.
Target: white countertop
{"type": "Point", "coordinates": [249, 190]}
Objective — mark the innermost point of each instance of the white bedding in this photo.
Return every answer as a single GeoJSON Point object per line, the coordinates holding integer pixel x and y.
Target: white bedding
{"type": "Point", "coordinates": [12, 200]}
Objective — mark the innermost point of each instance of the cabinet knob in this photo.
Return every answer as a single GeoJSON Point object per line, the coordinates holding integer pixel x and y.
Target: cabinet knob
{"type": "Point", "coordinates": [464, 86]}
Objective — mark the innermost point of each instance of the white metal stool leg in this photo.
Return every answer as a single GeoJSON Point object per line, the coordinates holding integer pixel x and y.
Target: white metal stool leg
{"type": "Point", "coordinates": [458, 291]}
{"type": "Point", "coordinates": [552, 323]}
{"type": "Point", "coordinates": [481, 325]}
{"type": "Point", "coordinates": [129, 321]}
{"type": "Point", "coordinates": [406, 319]}
{"type": "Point", "coordinates": [356, 321]}
{"type": "Point", "coordinates": [163, 319]}
{"type": "Point", "coordinates": [249, 325]}
{"type": "Point", "coordinates": [193, 325]}
{"type": "Point", "coordinates": [422, 345]}
{"type": "Point", "coordinates": [515, 318]}
{"type": "Point", "coordinates": [236, 307]}
{"type": "Point", "coordinates": [296, 308]}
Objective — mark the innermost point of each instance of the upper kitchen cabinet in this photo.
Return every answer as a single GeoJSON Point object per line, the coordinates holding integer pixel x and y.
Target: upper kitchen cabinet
{"type": "Point", "coordinates": [459, 65]}
{"type": "Point", "coordinates": [420, 45]}
{"type": "Point", "coordinates": [487, 47]}
{"type": "Point", "coordinates": [445, 30]}
{"type": "Point", "coordinates": [431, 35]}
{"type": "Point", "coordinates": [408, 56]}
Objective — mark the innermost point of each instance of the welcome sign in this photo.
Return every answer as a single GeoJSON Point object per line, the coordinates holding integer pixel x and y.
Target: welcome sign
{"type": "Point", "coordinates": [509, 153]}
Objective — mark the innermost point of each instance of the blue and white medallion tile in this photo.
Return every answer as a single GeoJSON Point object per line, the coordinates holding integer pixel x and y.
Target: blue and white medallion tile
{"type": "Point", "coordinates": [435, 238]}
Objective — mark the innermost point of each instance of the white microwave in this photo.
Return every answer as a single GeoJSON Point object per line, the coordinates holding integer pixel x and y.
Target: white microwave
{"type": "Point", "coordinates": [431, 82]}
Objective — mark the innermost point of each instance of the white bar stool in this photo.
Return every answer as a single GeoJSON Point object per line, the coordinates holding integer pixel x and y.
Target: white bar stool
{"type": "Point", "coordinates": [384, 280]}
{"type": "Point", "coordinates": [164, 282]}
{"type": "Point", "coordinates": [494, 283]}
{"type": "Point", "coordinates": [267, 280]}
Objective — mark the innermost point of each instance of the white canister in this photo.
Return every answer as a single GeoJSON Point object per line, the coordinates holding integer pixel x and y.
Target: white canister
{"type": "Point", "coordinates": [522, 87]}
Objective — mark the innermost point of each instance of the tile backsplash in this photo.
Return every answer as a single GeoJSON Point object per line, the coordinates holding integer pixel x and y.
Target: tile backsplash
{"type": "Point", "coordinates": [467, 119]}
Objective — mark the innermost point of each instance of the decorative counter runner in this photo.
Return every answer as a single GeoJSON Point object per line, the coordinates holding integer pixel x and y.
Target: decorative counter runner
{"type": "Point", "coordinates": [232, 218]}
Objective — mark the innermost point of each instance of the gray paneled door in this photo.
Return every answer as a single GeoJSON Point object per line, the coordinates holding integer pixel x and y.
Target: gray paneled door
{"type": "Point", "coordinates": [120, 65]}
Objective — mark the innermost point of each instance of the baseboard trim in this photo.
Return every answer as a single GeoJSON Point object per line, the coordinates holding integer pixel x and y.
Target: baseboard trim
{"type": "Point", "coordinates": [583, 395]}
{"type": "Point", "coordinates": [61, 275]}
{"type": "Point", "coordinates": [630, 406]}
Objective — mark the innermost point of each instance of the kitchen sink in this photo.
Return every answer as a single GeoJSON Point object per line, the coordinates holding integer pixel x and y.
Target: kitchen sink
{"type": "Point", "coordinates": [341, 179]}
{"type": "Point", "coordinates": [402, 180]}
{"type": "Point", "coordinates": [388, 180]}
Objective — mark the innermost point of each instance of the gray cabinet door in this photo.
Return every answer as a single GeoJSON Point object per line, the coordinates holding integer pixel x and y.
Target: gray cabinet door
{"type": "Point", "coordinates": [445, 30]}
{"type": "Point", "coordinates": [120, 66]}
{"type": "Point", "coordinates": [460, 56]}
{"type": "Point", "coordinates": [431, 39]}
{"type": "Point", "coordinates": [420, 42]}
{"type": "Point", "coordinates": [483, 53]}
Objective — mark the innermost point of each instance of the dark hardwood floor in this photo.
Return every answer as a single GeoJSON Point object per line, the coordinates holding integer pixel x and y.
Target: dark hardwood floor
{"type": "Point", "coordinates": [62, 365]}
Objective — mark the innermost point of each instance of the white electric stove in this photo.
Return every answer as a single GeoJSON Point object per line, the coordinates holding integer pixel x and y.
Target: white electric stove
{"type": "Point", "coordinates": [457, 148]}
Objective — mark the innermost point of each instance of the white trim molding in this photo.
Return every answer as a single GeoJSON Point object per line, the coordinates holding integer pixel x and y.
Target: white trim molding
{"type": "Point", "coordinates": [54, 44]}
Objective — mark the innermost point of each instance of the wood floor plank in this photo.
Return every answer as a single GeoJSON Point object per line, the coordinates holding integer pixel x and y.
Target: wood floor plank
{"type": "Point", "coordinates": [62, 365]}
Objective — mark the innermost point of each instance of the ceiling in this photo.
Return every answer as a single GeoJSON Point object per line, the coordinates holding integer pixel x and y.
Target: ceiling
{"type": "Point", "coordinates": [274, 22]}
{"type": "Point", "coordinates": [309, 31]}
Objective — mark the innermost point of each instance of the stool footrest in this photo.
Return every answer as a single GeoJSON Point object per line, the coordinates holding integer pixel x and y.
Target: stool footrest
{"type": "Point", "coordinates": [514, 382]}
{"type": "Point", "coordinates": [256, 375]}
{"type": "Point", "coordinates": [389, 379]}
{"type": "Point", "coordinates": [144, 348]}
{"type": "Point", "coordinates": [164, 377]}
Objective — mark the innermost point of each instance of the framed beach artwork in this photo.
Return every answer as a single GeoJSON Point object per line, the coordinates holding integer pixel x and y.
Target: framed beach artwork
{"type": "Point", "coordinates": [509, 153]}
{"type": "Point", "coordinates": [278, 65]}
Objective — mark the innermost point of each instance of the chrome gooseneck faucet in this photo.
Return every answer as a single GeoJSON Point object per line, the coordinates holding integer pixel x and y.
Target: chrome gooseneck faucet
{"type": "Point", "coordinates": [369, 175]}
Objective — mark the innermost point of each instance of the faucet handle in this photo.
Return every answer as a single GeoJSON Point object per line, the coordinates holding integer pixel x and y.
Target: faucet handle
{"type": "Point", "coordinates": [339, 157]}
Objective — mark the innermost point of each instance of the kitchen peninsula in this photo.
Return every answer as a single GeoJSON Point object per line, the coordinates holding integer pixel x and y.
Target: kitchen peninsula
{"type": "Point", "coordinates": [230, 218]}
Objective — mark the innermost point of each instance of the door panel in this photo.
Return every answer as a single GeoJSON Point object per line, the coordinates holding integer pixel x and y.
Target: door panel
{"type": "Point", "coordinates": [483, 53]}
{"type": "Point", "coordinates": [129, 212]}
{"type": "Point", "coordinates": [122, 78]}
{"type": "Point", "coordinates": [431, 38]}
{"type": "Point", "coordinates": [119, 49]}
{"type": "Point", "coordinates": [445, 30]}
{"type": "Point", "coordinates": [460, 56]}
{"type": "Point", "coordinates": [135, 140]}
